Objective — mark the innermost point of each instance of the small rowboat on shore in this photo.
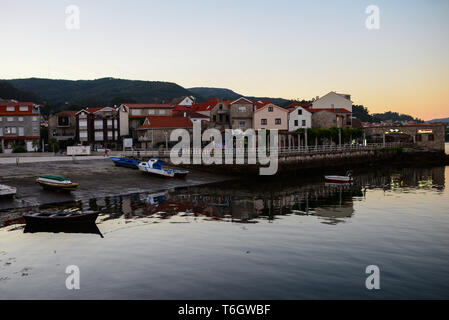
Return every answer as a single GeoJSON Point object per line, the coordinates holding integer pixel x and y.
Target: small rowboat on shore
{"type": "Point", "coordinates": [340, 179]}
{"type": "Point", "coordinates": [61, 217]}
{"type": "Point", "coordinates": [7, 191]}
{"type": "Point", "coordinates": [56, 183]}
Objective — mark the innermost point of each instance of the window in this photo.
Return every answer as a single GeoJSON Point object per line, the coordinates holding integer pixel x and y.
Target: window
{"type": "Point", "coordinates": [83, 123]}
{"type": "Point", "coordinates": [151, 111]}
{"type": "Point", "coordinates": [263, 121]}
{"type": "Point", "coordinates": [299, 111]}
{"type": "Point", "coordinates": [98, 124]}
{"type": "Point", "coordinates": [23, 108]}
{"type": "Point", "coordinates": [11, 108]}
{"type": "Point", "coordinates": [115, 135]}
{"type": "Point", "coordinates": [20, 119]}
{"type": "Point", "coordinates": [10, 130]}
{"type": "Point", "coordinates": [35, 129]}
{"type": "Point", "coordinates": [115, 123]}
{"type": "Point", "coordinates": [21, 131]}
{"type": "Point", "coordinates": [303, 123]}
{"type": "Point", "coordinates": [418, 137]}
{"type": "Point", "coordinates": [431, 137]}
{"type": "Point", "coordinates": [242, 109]}
{"type": "Point", "coordinates": [136, 112]}
{"type": "Point", "coordinates": [296, 123]}
{"type": "Point", "coordinates": [242, 123]}
{"type": "Point", "coordinates": [83, 134]}
{"type": "Point", "coordinates": [1, 131]}
{"type": "Point", "coordinates": [270, 109]}
{"type": "Point", "coordinates": [277, 121]}
{"type": "Point", "coordinates": [109, 123]}
{"type": "Point", "coordinates": [10, 119]}
{"type": "Point", "coordinates": [63, 121]}
{"type": "Point", "coordinates": [161, 112]}
{"type": "Point", "coordinates": [110, 135]}
{"type": "Point", "coordinates": [35, 119]}
{"type": "Point", "coordinates": [214, 118]}
{"type": "Point", "coordinates": [98, 135]}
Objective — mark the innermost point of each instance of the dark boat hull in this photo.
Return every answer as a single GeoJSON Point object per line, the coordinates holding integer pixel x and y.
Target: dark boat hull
{"type": "Point", "coordinates": [56, 218]}
{"type": "Point", "coordinates": [125, 162]}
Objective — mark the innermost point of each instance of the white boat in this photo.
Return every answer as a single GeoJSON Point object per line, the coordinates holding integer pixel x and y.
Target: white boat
{"type": "Point", "coordinates": [340, 179]}
{"type": "Point", "coordinates": [154, 166]}
{"type": "Point", "coordinates": [7, 191]}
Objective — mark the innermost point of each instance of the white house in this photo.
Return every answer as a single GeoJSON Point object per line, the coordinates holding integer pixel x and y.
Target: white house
{"type": "Point", "coordinates": [333, 100]}
{"type": "Point", "coordinates": [299, 118]}
{"type": "Point", "coordinates": [183, 101]}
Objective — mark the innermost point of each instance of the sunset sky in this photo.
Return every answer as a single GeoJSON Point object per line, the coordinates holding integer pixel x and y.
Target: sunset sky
{"type": "Point", "coordinates": [289, 49]}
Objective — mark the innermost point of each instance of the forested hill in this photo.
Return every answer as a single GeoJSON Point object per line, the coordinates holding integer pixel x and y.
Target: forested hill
{"type": "Point", "coordinates": [100, 91]}
{"type": "Point", "coordinates": [8, 91]}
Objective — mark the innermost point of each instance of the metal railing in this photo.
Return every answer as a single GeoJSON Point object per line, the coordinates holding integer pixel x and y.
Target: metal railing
{"type": "Point", "coordinates": [286, 151]}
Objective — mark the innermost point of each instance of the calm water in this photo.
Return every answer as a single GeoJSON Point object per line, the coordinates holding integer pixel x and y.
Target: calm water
{"type": "Point", "coordinates": [287, 239]}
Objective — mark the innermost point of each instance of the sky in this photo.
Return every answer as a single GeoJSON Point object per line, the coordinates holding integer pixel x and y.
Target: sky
{"type": "Point", "coordinates": [289, 49]}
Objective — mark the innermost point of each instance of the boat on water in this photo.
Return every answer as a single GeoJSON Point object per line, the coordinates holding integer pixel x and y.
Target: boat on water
{"type": "Point", "coordinates": [86, 228]}
{"type": "Point", "coordinates": [155, 166]}
{"type": "Point", "coordinates": [348, 178]}
{"type": "Point", "coordinates": [7, 191]}
{"type": "Point", "coordinates": [61, 217]}
{"type": "Point", "coordinates": [125, 162]}
{"type": "Point", "coordinates": [56, 183]}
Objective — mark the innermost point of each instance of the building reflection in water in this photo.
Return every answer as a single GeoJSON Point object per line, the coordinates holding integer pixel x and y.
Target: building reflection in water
{"type": "Point", "coordinates": [249, 202]}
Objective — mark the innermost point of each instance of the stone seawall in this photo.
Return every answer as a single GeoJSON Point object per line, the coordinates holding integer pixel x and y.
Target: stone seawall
{"type": "Point", "coordinates": [304, 164]}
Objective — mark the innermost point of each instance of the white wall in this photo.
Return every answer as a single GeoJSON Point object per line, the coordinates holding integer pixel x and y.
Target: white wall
{"type": "Point", "coordinates": [124, 121]}
{"type": "Point", "coordinates": [332, 100]}
{"type": "Point", "coordinates": [306, 115]}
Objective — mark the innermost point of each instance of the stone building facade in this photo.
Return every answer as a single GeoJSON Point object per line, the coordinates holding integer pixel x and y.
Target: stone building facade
{"type": "Point", "coordinates": [62, 125]}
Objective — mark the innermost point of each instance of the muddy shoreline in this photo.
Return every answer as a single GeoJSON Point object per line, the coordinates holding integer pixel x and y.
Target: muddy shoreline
{"type": "Point", "coordinates": [96, 178]}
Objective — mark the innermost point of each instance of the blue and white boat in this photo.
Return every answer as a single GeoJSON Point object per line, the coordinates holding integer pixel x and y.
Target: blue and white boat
{"type": "Point", "coordinates": [154, 166]}
{"type": "Point", "coordinates": [125, 162]}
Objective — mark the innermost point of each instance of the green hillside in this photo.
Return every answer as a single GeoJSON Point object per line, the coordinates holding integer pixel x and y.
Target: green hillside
{"type": "Point", "coordinates": [100, 91]}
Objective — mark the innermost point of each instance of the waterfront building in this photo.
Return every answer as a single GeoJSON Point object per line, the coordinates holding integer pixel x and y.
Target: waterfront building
{"type": "Point", "coordinates": [19, 125]}
{"type": "Point", "coordinates": [299, 118]}
{"type": "Point", "coordinates": [98, 127]}
{"type": "Point", "coordinates": [333, 100]}
{"type": "Point", "coordinates": [427, 136]}
{"type": "Point", "coordinates": [241, 114]}
{"type": "Point", "coordinates": [328, 118]}
{"type": "Point", "coordinates": [157, 129]}
{"type": "Point", "coordinates": [62, 125]}
{"type": "Point", "coordinates": [270, 116]}
{"type": "Point", "coordinates": [132, 115]}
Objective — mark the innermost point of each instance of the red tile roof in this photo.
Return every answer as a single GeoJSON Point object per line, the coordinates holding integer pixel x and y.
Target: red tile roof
{"type": "Point", "coordinates": [189, 114]}
{"type": "Point", "coordinates": [260, 104]}
{"type": "Point", "coordinates": [16, 105]}
{"type": "Point", "coordinates": [207, 105]}
{"type": "Point", "coordinates": [148, 105]}
{"type": "Point", "coordinates": [298, 104]}
{"type": "Point", "coordinates": [68, 113]}
{"type": "Point", "coordinates": [160, 122]}
{"type": "Point", "coordinates": [336, 110]}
